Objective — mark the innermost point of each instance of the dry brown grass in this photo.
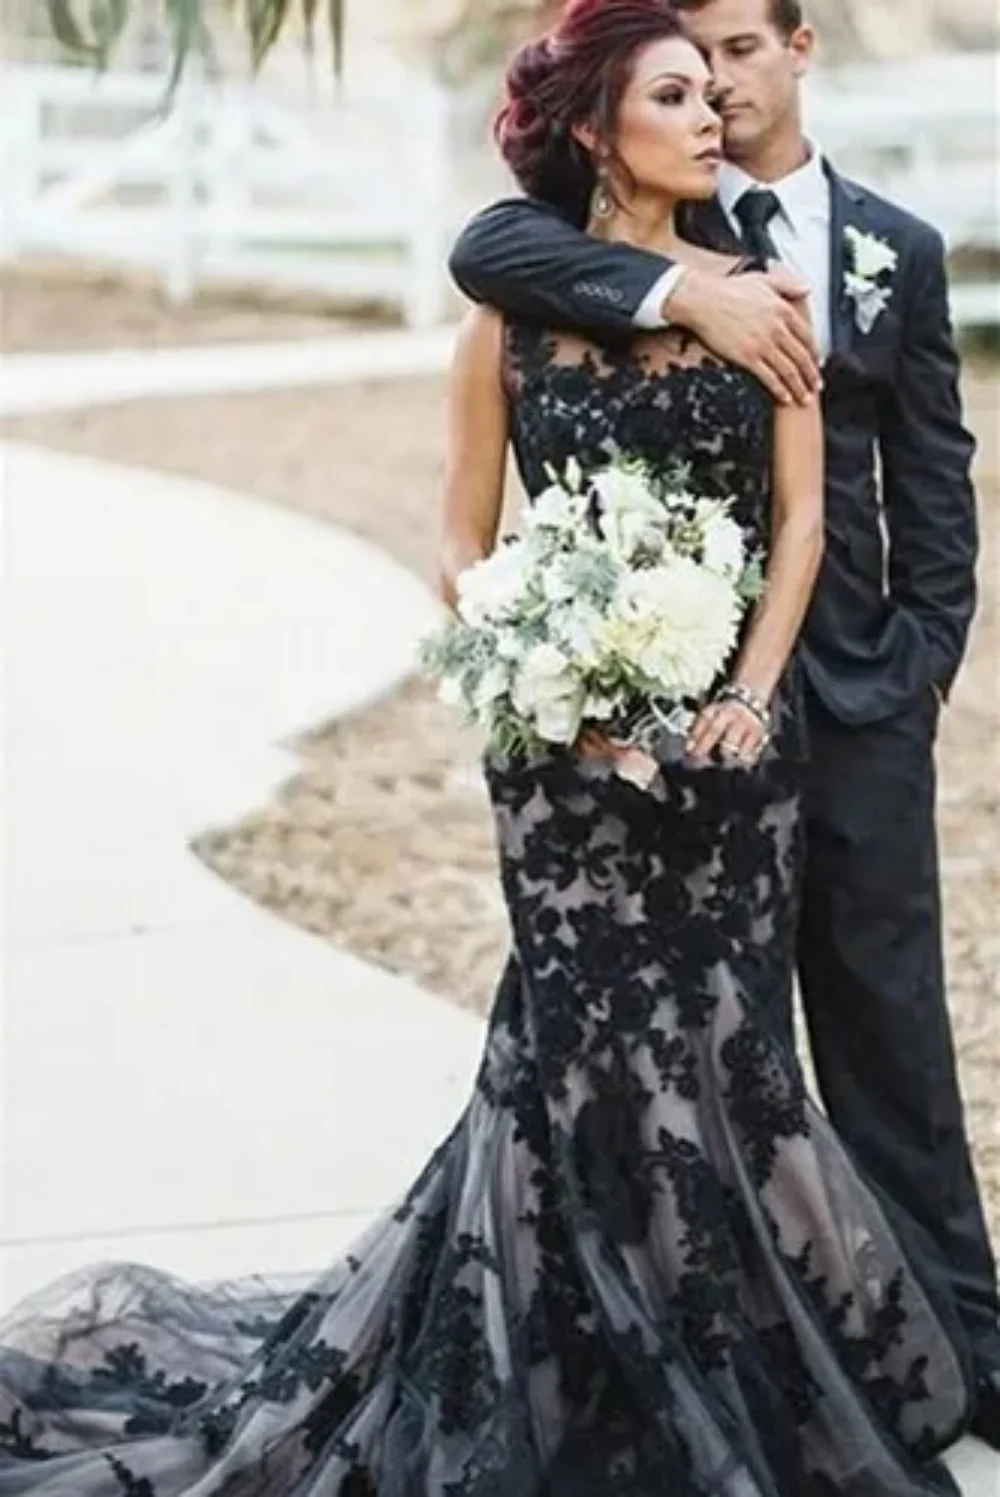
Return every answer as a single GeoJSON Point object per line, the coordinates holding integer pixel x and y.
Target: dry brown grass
{"type": "Point", "coordinates": [54, 308]}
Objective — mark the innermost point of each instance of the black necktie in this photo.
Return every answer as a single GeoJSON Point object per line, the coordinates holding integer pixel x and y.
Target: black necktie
{"type": "Point", "coordinates": [755, 209]}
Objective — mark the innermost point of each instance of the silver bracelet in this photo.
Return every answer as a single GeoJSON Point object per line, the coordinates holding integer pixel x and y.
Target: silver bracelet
{"type": "Point", "coordinates": [735, 691]}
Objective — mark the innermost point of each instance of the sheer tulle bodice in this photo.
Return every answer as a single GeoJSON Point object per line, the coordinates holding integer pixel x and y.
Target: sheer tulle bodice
{"type": "Point", "coordinates": [642, 1263]}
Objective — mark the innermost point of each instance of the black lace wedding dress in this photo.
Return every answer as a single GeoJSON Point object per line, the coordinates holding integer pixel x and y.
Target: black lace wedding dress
{"type": "Point", "coordinates": [642, 1264]}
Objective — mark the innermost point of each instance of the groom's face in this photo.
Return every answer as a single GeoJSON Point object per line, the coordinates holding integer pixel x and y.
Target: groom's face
{"type": "Point", "coordinates": [757, 67]}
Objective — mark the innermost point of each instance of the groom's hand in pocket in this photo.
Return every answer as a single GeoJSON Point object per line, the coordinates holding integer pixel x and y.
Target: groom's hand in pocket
{"type": "Point", "coordinates": [758, 321]}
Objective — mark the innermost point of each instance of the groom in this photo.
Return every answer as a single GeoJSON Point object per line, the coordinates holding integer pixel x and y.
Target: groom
{"type": "Point", "coordinates": [887, 629]}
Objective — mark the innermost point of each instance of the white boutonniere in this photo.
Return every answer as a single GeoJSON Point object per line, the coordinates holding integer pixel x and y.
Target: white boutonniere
{"type": "Point", "coordinates": [871, 262]}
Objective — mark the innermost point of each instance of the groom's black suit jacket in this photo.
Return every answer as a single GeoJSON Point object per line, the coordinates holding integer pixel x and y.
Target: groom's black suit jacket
{"type": "Point", "coordinates": [897, 591]}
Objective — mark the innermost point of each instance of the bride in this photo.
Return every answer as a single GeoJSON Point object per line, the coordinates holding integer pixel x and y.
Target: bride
{"type": "Point", "coordinates": [642, 1263]}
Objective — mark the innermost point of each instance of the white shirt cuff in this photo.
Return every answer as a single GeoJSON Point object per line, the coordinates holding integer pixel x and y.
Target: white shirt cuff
{"type": "Point", "coordinates": [649, 313]}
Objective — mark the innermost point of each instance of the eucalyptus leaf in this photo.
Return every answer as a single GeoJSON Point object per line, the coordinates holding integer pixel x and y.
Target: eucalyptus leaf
{"type": "Point", "coordinates": [90, 30]}
{"type": "Point", "coordinates": [265, 22]}
{"type": "Point", "coordinates": [108, 19]}
{"type": "Point", "coordinates": [310, 10]}
{"type": "Point", "coordinates": [337, 21]}
{"type": "Point", "coordinates": [68, 32]}
{"type": "Point", "coordinates": [186, 21]}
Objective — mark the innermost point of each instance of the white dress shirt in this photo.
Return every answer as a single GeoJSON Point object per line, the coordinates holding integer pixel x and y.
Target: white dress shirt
{"type": "Point", "coordinates": [800, 231]}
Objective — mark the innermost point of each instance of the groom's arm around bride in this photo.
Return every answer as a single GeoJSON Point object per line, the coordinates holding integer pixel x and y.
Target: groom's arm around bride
{"type": "Point", "coordinates": [520, 254]}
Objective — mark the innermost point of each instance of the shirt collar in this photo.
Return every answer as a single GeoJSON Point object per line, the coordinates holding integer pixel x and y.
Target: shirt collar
{"type": "Point", "coordinates": [803, 194]}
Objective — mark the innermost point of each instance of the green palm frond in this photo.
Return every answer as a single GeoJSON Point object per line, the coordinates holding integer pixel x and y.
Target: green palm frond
{"type": "Point", "coordinates": [90, 30]}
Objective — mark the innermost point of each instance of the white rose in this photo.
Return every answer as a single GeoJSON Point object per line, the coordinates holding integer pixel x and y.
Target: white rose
{"type": "Point", "coordinates": [631, 514]}
{"type": "Point", "coordinates": [723, 551]}
{"type": "Point", "coordinates": [556, 586]}
{"type": "Point", "coordinates": [547, 692]}
{"type": "Point", "coordinates": [492, 587]}
{"type": "Point", "coordinates": [543, 670]}
{"type": "Point", "coordinates": [554, 509]}
{"type": "Point", "coordinates": [626, 490]}
{"type": "Point", "coordinates": [871, 256]}
{"type": "Point", "coordinates": [559, 720]}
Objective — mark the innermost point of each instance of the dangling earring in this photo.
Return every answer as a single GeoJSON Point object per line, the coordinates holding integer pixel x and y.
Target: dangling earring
{"type": "Point", "coordinates": [602, 204]}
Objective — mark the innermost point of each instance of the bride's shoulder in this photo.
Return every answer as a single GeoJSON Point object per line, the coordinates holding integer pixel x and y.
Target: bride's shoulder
{"type": "Point", "coordinates": [492, 344]}
{"type": "Point", "coordinates": [479, 345]}
{"type": "Point", "coordinates": [481, 328]}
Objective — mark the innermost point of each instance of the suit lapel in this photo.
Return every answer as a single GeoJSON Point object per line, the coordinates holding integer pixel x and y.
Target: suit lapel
{"type": "Point", "coordinates": [846, 207]}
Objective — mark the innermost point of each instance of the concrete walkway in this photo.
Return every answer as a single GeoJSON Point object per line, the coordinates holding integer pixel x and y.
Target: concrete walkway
{"type": "Point", "coordinates": [186, 1080]}
{"type": "Point", "coordinates": [47, 382]}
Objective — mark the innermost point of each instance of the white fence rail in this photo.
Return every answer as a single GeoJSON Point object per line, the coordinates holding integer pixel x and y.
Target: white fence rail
{"type": "Point", "coordinates": [348, 198]}
{"type": "Point", "coordinates": [925, 133]}
{"type": "Point", "coordinates": [353, 198]}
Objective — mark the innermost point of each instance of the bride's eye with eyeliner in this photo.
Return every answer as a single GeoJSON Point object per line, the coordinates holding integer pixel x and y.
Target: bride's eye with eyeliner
{"type": "Point", "coordinates": [671, 96]}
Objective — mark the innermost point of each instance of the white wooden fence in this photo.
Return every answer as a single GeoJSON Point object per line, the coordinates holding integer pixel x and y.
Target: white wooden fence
{"type": "Point", "coordinates": [353, 197]}
{"type": "Point", "coordinates": [925, 133]}
{"type": "Point", "coordinates": [349, 197]}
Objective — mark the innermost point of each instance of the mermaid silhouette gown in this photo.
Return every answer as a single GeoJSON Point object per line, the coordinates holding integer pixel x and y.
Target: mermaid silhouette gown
{"type": "Point", "coordinates": [642, 1263]}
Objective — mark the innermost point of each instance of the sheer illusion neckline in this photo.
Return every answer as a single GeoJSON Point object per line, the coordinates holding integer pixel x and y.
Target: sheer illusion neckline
{"type": "Point", "coordinates": [643, 354]}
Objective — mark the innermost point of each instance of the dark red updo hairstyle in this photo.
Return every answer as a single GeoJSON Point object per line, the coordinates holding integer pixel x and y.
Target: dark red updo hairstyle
{"type": "Point", "coordinates": [578, 72]}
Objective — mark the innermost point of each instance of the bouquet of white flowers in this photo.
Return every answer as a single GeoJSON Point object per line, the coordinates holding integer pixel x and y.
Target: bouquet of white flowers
{"type": "Point", "coordinates": [617, 605]}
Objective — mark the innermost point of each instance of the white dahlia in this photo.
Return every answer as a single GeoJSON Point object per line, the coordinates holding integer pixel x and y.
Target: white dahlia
{"type": "Point", "coordinates": [677, 623]}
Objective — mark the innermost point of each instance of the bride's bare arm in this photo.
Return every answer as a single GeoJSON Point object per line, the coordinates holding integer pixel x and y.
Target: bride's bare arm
{"type": "Point", "coordinates": [796, 548]}
{"type": "Point", "coordinates": [478, 430]}
{"type": "Point", "coordinates": [795, 555]}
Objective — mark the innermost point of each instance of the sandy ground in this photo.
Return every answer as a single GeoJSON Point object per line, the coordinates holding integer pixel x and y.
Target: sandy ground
{"type": "Point", "coordinates": [384, 842]}
{"type": "Point", "coordinates": [66, 309]}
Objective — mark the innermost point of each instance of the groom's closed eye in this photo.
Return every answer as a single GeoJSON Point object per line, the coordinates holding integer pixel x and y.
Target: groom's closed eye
{"type": "Point", "coordinates": [741, 46]}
